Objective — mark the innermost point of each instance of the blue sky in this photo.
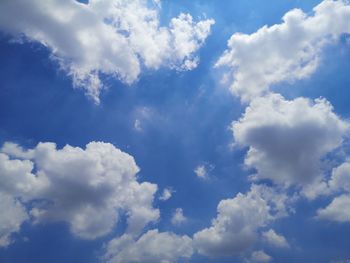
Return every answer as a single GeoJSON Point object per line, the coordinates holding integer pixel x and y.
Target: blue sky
{"type": "Point", "coordinates": [171, 122]}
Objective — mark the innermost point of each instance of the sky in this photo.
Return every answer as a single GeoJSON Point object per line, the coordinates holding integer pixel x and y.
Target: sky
{"type": "Point", "coordinates": [160, 131]}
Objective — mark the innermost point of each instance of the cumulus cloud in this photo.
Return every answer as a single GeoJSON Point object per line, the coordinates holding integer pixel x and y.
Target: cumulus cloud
{"type": "Point", "coordinates": [288, 138]}
{"type": "Point", "coordinates": [151, 247]}
{"type": "Point", "coordinates": [178, 217]}
{"type": "Point", "coordinates": [200, 171]}
{"type": "Point", "coordinates": [13, 214]}
{"type": "Point", "coordinates": [274, 239]}
{"type": "Point", "coordinates": [16, 175]}
{"type": "Point", "coordinates": [203, 170]}
{"type": "Point", "coordinates": [336, 210]}
{"type": "Point", "coordinates": [235, 228]}
{"type": "Point", "coordinates": [340, 180]}
{"type": "Point", "coordinates": [282, 52]}
{"type": "Point", "coordinates": [338, 184]}
{"type": "Point", "coordinates": [167, 194]}
{"type": "Point", "coordinates": [87, 188]}
{"type": "Point", "coordinates": [259, 256]}
{"type": "Point", "coordinates": [114, 37]}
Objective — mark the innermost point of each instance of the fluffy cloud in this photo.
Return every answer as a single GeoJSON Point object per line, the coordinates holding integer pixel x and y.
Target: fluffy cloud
{"type": "Point", "coordinates": [336, 210]}
{"type": "Point", "coordinates": [235, 228]}
{"type": "Point", "coordinates": [274, 239]}
{"type": "Point", "coordinates": [287, 139]}
{"type": "Point", "coordinates": [13, 214]}
{"type": "Point", "coordinates": [338, 183]}
{"type": "Point", "coordinates": [16, 175]}
{"type": "Point", "coordinates": [87, 188]}
{"type": "Point", "coordinates": [115, 37]}
{"type": "Point", "coordinates": [178, 217]}
{"type": "Point", "coordinates": [152, 247]}
{"type": "Point", "coordinates": [200, 171]}
{"type": "Point", "coordinates": [340, 179]}
{"type": "Point", "coordinates": [167, 194]}
{"type": "Point", "coordinates": [283, 52]}
{"type": "Point", "coordinates": [259, 256]}
{"type": "Point", "coordinates": [203, 171]}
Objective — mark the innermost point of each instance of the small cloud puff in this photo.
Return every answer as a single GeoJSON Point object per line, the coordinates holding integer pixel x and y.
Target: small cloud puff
{"type": "Point", "coordinates": [167, 194]}
{"type": "Point", "coordinates": [203, 171]}
{"type": "Point", "coordinates": [178, 217]}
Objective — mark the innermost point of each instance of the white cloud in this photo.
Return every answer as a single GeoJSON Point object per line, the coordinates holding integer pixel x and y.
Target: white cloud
{"type": "Point", "coordinates": [137, 125]}
{"type": "Point", "coordinates": [114, 37]}
{"type": "Point", "coordinates": [12, 215]}
{"type": "Point", "coordinates": [87, 188]}
{"type": "Point", "coordinates": [203, 170]}
{"type": "Point", "coordinates": [339, 183]}
{"type": "Point", "coordinates": [235, 228]}
{"type": "Point", "coordinates": [336, 210]}
{"type": "Point", "coordinates": [167, 194]}
{"type": "Point", "coordinates": [274, 239]}
{"type": "Point", "coordinates": [15, 150]}
{"type": "Point", "coordinates": [16, 175]}
{"type": "Point", "coordinates": [340, 179]}
{"type": "Point", "coordinates": [152, 247]}
{"type": "Point", "coordinates": [143, 116]}
{"type": "Point", "coordinates": [283, 52]}
{"type": "Point", "coordinates": [287, 139]}
{"type": "Point", "coordinates": [178, 217]}
{"type": "Point", "coordinates": [200, 171]}
{"type": "Point", "coordinates": [259, 256]}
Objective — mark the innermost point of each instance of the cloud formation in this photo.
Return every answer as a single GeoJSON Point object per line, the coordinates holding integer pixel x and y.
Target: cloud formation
{"type": "Point", "coordinates": [336, 210]}
{"type": "Point", "coordinates": [259, 257]}
{"type": "Point", "coordinates": [178, 217]}
{"type": "Point", "coordinates": [274, 239]}
{"type": "Point", "coordinates": [13, 214]}
{"type": "Point", "coordinates": [167, 194]}
{"type": "Point", "coordinates": [87, 188]}
{"type": "Point", "coordinates": [338, 185]}
{"type": "Point", "coordinates": [282, 52]}
{"type": "Point", "coordinates": [234, 230]}
{"type": "Point", "coordinates": [340, 180]}
{"type": "Point", "coordinates": [288, 138]}
{"type": "Point", "coordinates": [151, 247]}
{"type": "Point", "coordinates": [113, 37]}
{"type": "Point", "coordinates": [203, 171]}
